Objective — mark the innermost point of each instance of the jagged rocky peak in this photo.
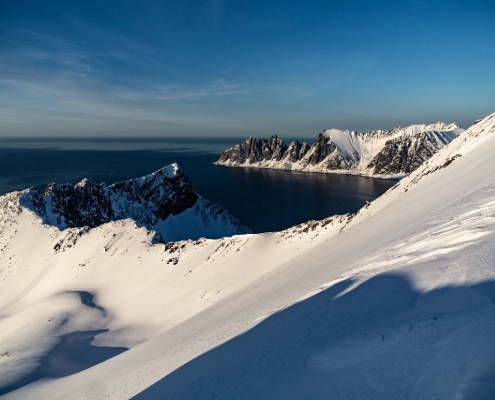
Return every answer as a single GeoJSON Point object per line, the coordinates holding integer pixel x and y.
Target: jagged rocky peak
{"type": "Point", "coordinates": [296, 151]}
{"type": "Point", "coordinates": [277, 147]}
{"type": "Point", "coordinates": [252, 150]}
{"type": "Point", "coordinates": [160, 201]}
{"type": "Point", "coordinates": [392, 153]}
{"type": "Point", "coordinates": [320, 150]}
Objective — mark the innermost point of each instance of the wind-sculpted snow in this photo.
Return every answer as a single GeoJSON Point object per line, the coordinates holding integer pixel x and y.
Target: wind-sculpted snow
{"type": "Point", "coordinates": [164, 201]}
{"type": "Point", "coordinates": [116, 285]}
{"type": "Point", "coordinates": [394, 302]}
{"type": "Point", "coordinates": [385, 154]}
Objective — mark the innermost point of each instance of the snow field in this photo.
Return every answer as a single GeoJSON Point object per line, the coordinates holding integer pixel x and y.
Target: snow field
{"type": "Point", "coordinates": [396, 302]}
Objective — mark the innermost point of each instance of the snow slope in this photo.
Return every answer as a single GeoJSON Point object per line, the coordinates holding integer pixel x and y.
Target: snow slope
{"type": "Point", "coordinates": [138, 288]}
{"type": "Point", "coordinates": [396, 302]}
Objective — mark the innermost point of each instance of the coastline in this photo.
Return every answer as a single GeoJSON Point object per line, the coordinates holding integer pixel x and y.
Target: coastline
{"type": "Point", "coordinates": [397, 177]}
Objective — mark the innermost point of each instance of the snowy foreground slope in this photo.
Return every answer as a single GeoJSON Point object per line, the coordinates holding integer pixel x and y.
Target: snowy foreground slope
{"type": "Point", "coordinates": [395, 302]}
{"type": "Point", "coordinates": [384, 154]}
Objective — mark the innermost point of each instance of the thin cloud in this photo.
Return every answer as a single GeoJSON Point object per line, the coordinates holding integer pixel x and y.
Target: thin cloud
{"type": "Point", "coordinates": [52, 85]}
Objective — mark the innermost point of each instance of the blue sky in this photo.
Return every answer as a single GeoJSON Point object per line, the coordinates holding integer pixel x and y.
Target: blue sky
{"type": "Point", "coordinates": [235, 68]}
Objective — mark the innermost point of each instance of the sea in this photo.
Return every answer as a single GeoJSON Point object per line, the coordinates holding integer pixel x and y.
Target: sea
{"type": "Point", "coordinates": [263, 200]}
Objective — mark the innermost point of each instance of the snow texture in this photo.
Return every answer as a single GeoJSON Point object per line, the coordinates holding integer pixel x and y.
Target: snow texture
{"type": "Point", "coordinates": [394, 302]}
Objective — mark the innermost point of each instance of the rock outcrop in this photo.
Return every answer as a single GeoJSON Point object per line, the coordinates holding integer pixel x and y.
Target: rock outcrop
{"type": "Point", "coordinates": [160, 201]}
{"type": "Point", "coordinates": [385, 154]}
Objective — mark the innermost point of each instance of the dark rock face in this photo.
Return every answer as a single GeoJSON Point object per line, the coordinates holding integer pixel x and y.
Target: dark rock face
{"type": "Point", "coordinates": [337, 162]}
{"type": "Point", "coordinates": [320, 150]}
{"type": "Point", "coordinates": [148, 201]}
{"type": "Point", "coordinates": [404, 155]}
{"type": "Point", "coordinates": [86, 204]}
{"type": "Point", "coordinates": [296, 151]}
{"type": "Point", "coordinates": [277, 148]}
{"type": "Point", "coordinates": [234, 154]}
{"type": "Point", "coordinates": [161, 195]}
{"type": "Point", "coordinates": [252, 151]}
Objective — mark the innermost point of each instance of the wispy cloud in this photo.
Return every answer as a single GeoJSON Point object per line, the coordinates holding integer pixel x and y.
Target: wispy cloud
{"type": "Point", "coordinates": [54, 85]}
{"type": "Point", "coordinates": [211, 90]}
{"type": "Point", "coordinates": [40, 65]}
{"type": "Point", "coordinates": [60, 89]}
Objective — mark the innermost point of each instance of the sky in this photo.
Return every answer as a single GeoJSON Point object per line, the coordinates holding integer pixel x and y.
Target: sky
{"type": "Point", "coordinates": [237, 68]}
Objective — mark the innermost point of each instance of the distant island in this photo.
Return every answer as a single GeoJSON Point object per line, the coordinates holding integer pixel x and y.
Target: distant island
{"type": "Point", "coordinates": [382, 154]}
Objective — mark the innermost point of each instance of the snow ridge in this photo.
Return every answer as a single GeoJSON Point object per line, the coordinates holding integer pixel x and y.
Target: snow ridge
{"type": "Point", "coordinates": [163, 201]}
{"type": "Point", "coordinates": [385, 154]}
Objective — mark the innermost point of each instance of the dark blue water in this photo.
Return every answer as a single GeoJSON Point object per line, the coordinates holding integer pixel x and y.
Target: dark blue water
{"type": "Point", "coordinates": [263, 200]}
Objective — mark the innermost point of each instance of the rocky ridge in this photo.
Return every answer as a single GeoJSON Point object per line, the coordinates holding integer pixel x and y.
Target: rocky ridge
{"type": "Point", "coordinates": [385, 154]}
{"type": "Point", "coordinates": [161, 201]}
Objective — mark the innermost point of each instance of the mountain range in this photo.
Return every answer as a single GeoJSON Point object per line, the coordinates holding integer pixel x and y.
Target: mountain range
{"type": "Point", "coordinates": [385, 154]}
{"type": "Point", "coordinates": [164, 202]}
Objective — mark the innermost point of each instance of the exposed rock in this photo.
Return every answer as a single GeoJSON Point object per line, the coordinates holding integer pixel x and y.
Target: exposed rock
{"type": "Point", "coordinates": [149, 201]}
{"type": "Point", "coordinates": [320, 150]}
{"type": "Point", "coordinates": [296, 151]}
{"type": "Point", "coordinates": [393, 153]}
{"type": "Point", "coordinates": [405, 154]}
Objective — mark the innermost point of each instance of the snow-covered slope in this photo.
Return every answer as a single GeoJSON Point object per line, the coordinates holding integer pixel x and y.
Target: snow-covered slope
{"type": "Point", "coordinates": [396, 302]}
{"type": "Point", "coordinates": [391, 154]}
{"type": "Point", "coordinates": [62, 288]}
{"type": "Point", "coordinates": [163, 201]}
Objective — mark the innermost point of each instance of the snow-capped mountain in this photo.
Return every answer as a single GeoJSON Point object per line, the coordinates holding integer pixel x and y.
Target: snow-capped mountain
{"type": "Point", "coordinates": [394, 302]}
{"type": "Point", "coordinates": [391, 154]}
{"type": "Point", "coordinates": [163, 201]}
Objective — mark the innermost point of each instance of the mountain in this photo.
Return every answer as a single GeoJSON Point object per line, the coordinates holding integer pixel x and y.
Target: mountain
{"type": "Point", "coordinates": [163, 201]}
{"type": "Point", "coordinates": [386, 154]}
{"type": "Point", "coordinates": [394, 302]}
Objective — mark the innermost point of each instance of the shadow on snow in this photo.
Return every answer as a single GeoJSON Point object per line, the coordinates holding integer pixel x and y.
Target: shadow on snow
{"type": "Point", "coordinates": [381, 340]}
{"type": "Point", "coordinates": [72, 354]}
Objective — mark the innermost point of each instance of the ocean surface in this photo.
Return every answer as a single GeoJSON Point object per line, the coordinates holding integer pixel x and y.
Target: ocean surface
{"type": "Point", "coordinates": [264, 200]}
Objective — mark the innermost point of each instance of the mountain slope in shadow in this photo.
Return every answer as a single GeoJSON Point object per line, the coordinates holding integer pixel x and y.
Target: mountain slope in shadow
{"type": "Point", "coordinates": [373, 342]}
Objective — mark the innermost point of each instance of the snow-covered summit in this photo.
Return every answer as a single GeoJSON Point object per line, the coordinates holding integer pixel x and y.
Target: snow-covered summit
{"type": "Point", "coordinates": [436, 127]}
{"type": "Point", "coordinates": [164, 201]}
{"type": "Point", "coordinates": [386, 154]}
{"type": "Point", "coordinates": [408, 131]}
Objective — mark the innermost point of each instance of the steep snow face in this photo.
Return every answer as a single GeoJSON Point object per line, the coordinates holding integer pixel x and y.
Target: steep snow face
{"type": "Point", "coordinates": [164, 201]}
{"type": "Point", "coordinates": [354, 146]}
{"type": "Point", "coordinates": [392, 154]}
{"type": "Point", "coordinates": [395, 302]}
{"type": "Point", "coordinates": [362, 148]}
